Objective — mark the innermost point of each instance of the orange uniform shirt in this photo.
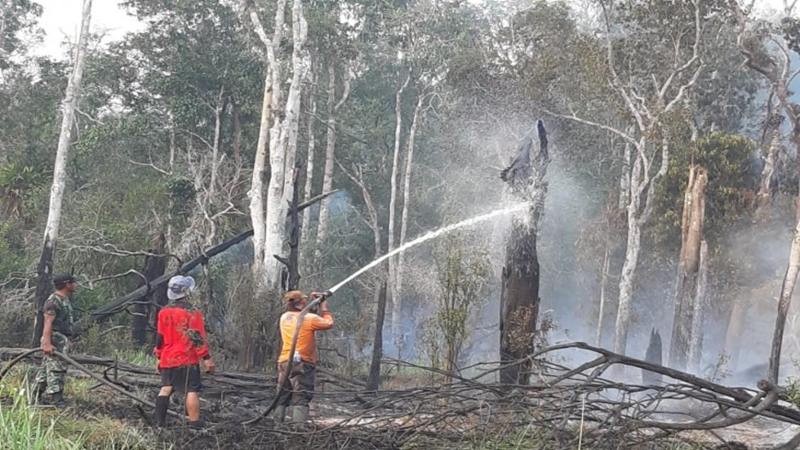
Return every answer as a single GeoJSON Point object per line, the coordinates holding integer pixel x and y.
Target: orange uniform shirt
{"type": "Point", "coordinates": [306, 344]}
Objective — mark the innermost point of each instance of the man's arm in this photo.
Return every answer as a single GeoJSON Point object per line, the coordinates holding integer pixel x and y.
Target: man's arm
{"type": "Point", "coordinates": [323, 321]}
{"type": "Point", "coordinates": [47, 332]}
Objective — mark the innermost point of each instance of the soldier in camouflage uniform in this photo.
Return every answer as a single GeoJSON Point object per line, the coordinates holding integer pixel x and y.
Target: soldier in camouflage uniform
{"type": "Point", "coordinates": [58, 322]}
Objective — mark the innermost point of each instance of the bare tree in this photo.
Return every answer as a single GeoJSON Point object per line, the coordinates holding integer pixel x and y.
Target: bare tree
{"type": "Point", "coordinates": [397, 305]}
{"type": "Point", "coordinates": [379, 291]}
{"type": "Point", "coordinates": [330, 150]}
{"type": "Point", "coordinates": [398, 129]}
{"type": "Point", "coordinates": [68, 107]}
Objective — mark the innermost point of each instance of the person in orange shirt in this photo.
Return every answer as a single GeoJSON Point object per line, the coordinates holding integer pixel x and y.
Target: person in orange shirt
{"type": "Point", "coordinates": [298, 389]}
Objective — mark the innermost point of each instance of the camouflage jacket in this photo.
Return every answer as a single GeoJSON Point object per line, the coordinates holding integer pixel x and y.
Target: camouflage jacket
{"type": "Point", "coordinates": [61, 307]}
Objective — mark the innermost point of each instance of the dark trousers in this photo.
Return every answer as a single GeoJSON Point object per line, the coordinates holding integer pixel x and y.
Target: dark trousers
{"type": "Point", "coordinates": [298, 390]}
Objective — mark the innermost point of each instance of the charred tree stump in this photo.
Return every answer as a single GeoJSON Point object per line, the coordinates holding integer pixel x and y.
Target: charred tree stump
{"type": "Point", "coordinates": [688, 267]}
{"type": "Point", "coordinates": [154, 267]}
{"type": "Point", "coordinates": [519, 298]}
{"type": "Point", "coordinates": [653, 355]}
{"type": "Point", "coordinates": [290, 279]}
{"type": "Point", "coordinates": [374, 378]}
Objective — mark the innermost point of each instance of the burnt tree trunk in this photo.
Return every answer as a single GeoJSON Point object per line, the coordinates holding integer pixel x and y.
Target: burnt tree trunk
{"type": "Point", "coordinates": [519, 305]}
{"type": "Point", "coordinates": [688, 267]}
{"type": "Point", "coordinates": [653, 355]}
{"type": "Point", "coordinates": [519, 300]}
{"type": "Point", "coordinates": [154, 267]}
{"type": "Point", "coordinates": [290, 279]}
{"type": "Point", "coordinates": [374, 378]}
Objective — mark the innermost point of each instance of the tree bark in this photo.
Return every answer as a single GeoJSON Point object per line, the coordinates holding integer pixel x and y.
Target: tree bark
{"type": "Point", "coordinates": [374, 378]}
{"type": "Point", "coordinates": [237, 132]}
{"type": "Point", "coordinates": [412, 134]}
{"type": "Point", "coordinates": [310, 154]}
{"type": "Point", "coordinates": [770, 149]}
{"type": "Point", "coordinates": [787, 288]}
{"type": "Point", "coordinates": [519, 298]}
{"type": "Point", "coordinates": [283, 140]}
{"type": "Point", "coordinates": [698, 319]}
{"type": "Point", "coordinates": [327, 174]}
{"type": "Point", "coordinates": [68, 106]}
{"type": "Point", "coordinates": [686, 287]}
{"type": "Point", "coordinates": [603, 288]}
{"type": "Point", "coordinates": [519, 305]}
{"type": "Point", "coordinates": [398, 129]}
{"type": "Point", "coordinates": [154, 267]}
{"type": "Point", "coordinates": [632, 248]}
{"type": "Point", "coordinates": [267, 141]}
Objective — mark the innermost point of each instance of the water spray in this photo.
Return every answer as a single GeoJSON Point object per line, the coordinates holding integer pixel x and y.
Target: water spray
{"type": "Point", "coordinates": [428, 236]}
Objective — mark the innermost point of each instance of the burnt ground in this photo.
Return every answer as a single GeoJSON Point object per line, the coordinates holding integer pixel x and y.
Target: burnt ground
{"type": "Point", "coordinates": [424, 412]}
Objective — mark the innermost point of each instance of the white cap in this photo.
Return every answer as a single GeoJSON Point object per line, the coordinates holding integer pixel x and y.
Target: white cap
{"type": "Point", "coordinates": [179, 286]}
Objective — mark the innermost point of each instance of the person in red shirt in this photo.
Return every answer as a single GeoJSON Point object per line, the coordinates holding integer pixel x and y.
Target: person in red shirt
{"type": "Point", "coordinates": [181, 345]}
{"type": "Point", "coordinates": [298, 389]}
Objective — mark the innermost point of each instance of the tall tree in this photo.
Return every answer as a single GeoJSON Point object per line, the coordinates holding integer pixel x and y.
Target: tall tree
{"type": "Point", "coordinates": [68, 107]}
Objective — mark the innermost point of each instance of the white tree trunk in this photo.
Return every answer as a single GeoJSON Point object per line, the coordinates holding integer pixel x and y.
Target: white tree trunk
{"type": "Point", "coordinates": [282, 155]}
{"type": "Point", "coordinates": [218, 110]}
{"type": "Point", "coordinates": [598, 338]}
{"type": "Point", "coordinates": [698, 317]}
{"type": "Point", "coordinates": [68, 107]}
{"type": "Point", "coordinates": [266, 137]}
{"type": "Point", "coordinates": [412, 134]}
{"type": "Point", "coordinates": [633, 246]}
{"type": "Point", "coordinates": [256, 192]}
{"type": "Point", "coordinates": [625, 177]}
{"type": "Point", "coordinates": [787, 288]}
{"type": "Point", "coordinates": [310, 154]}
{"type": "Point", "coordinates": [395, 301]}
{"type": "Point", "coordinates": [327, 175]}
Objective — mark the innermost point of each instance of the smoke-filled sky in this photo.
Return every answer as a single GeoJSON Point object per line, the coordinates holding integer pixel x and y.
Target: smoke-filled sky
{"type": "Point", "coordinates": [61, 20]}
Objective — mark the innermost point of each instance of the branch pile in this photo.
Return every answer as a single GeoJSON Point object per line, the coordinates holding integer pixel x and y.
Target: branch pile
{"type": "Point", "coordinates": [563, 407]}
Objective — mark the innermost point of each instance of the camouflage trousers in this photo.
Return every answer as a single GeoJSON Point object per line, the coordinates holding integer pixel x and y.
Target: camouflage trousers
{"type": "Point", "coordinates": [53, 371]}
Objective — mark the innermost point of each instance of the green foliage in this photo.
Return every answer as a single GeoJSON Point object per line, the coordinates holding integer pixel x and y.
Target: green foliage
{"type": "Point", "coordinates": [22, 428]}
{"type": "Point", "coordinates": [729, 192]}
{"type": "Point", "coordinates": [462, 272]}
{"type": "Point", "coordinates": [18, 183]}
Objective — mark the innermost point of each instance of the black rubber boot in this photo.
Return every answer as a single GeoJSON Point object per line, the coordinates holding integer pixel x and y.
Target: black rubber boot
{"type": "Point", "coordinates": [162, 405]}
{"type": "Point", "coordinates": [37, 395]}
{"type": "Point", "coordinates": [197, 424]}
{"type": "Point", "coordinates": [57, 399]}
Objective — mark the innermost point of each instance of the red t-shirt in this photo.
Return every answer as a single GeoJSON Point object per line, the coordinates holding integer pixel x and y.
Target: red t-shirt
{"type": "Point", "coordinates": [181, 336]}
